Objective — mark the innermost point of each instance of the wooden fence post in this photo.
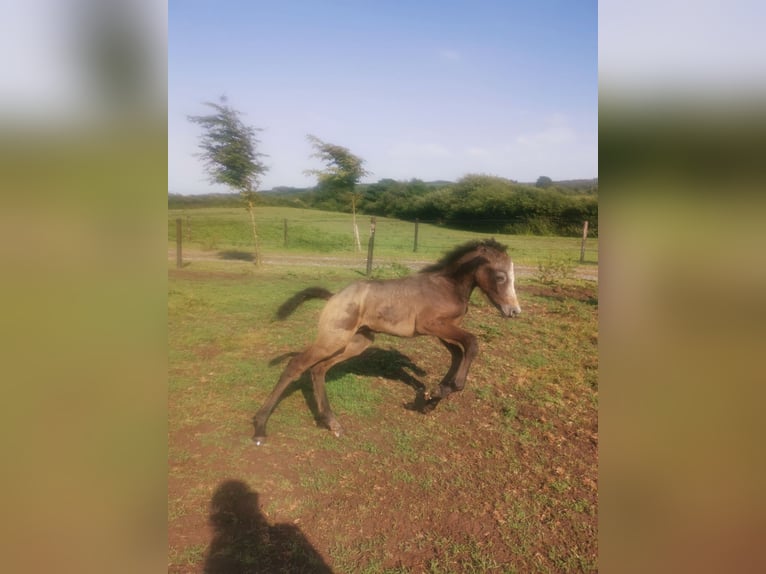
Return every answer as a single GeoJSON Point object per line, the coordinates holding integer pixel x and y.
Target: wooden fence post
{"type": "Point", "coordinates": [415, 248]}
{"type": "Point", "coordinates": [371, 245]}
{"type": "Point", "coordinates": [179, 238]}
{"type": "Point", "coordinates": [582, 246]}
{"type": "Point", "coordinates": [285, 232]}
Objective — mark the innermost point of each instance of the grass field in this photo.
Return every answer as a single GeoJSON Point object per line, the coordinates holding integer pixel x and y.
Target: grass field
{"type": "Point", "coordinates": [312, 231]}
{"type": "Point", "coordinates": [499, 478]}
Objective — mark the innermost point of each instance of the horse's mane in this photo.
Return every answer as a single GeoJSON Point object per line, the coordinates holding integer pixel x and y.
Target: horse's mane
{"type": "Point", "coordinates": [461, 251]}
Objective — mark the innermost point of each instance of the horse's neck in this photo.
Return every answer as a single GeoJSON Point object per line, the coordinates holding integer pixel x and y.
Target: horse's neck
{"type": "Point", "coordinates": [465, 283]}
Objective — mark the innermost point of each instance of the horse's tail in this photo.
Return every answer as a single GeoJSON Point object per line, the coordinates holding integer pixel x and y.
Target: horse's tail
{"type": "Point", "coordinates": [287, 308]}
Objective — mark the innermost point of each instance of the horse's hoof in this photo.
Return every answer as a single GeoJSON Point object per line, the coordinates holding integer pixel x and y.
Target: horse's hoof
{"type": "Point", "coordinates": [428, 407]}
{"type": "Point", "coordinates": [259, 440]}
{"type": "Point", "coordinates": [335, 428]}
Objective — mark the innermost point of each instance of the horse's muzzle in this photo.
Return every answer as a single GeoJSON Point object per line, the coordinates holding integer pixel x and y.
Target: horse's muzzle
{"type": "Point", "coordinates": [511, 310]}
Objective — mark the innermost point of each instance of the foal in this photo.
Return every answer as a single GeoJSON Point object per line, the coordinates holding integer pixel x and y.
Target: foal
{"type": "Point", "coordinates": [431, 302]}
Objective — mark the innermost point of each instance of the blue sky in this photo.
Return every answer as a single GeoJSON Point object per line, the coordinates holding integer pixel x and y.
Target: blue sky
{"type": "Point", "coordinates": [419, 89]}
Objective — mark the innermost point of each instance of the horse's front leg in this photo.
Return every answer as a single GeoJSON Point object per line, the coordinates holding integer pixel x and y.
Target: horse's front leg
{"type": "Point", "coordinates": [447, 384]}
{"type": "Point", "coordinates": [470, 350]}
{"type": "Point", "coordinates": [429, 400]}
{"type": "Point", "coordinates": [463, 349]}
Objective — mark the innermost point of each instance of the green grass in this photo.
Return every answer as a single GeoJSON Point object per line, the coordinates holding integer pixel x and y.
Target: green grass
{"type": "Point", "coordinates": [188, 556]}
{"type": "Point", "coordinates": [469, 557]}
{"type": "Point", "coordinates": [499, 478]}
{"type": "Point", "coordinates": [329, 233]}
{"type": "Point", "coordinates": [349, 394]}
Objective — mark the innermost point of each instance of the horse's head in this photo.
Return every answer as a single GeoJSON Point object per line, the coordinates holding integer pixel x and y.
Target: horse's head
{"type": "Point", "coordinates": [488, 266]}
{"type": "Point", "coordinates": [496, 277]}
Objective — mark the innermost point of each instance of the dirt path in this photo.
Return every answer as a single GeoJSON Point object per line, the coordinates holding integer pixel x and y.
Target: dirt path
{"type": "Point", "coordinates": [580, 272]}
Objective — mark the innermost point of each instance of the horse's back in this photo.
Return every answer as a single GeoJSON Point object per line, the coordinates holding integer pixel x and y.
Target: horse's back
{"type": "Point", "coordinates": [393, 306]}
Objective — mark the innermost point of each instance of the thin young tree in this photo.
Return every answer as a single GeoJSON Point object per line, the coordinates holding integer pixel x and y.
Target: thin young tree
{"type": "Point", "coordinates": [231, 157]}
{"type": "Point", "coordinates": [342, 172]}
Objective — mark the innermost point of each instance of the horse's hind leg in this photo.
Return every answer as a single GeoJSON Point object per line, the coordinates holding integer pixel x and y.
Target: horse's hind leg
{"type": "Point", "coordinates": [356, 346]}
{"type": "Point", "coordinates": [293, 370]}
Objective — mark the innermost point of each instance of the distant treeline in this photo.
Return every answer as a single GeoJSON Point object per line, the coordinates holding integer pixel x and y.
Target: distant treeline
{"type": "Point", "coordinates": [475, 202]}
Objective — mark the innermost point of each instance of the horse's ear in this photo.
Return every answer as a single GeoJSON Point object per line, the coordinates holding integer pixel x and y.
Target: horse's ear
{"type": "Point", "coordinates": [483, 245]}
{"type": "Point", "coordinates": [494, 245]}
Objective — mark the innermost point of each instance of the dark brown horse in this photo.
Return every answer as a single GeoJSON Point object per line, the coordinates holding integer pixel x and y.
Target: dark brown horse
{"type": "Point", "coordinates": [431, 302]}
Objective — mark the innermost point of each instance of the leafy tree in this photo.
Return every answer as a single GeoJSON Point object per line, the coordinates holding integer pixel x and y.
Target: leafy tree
{"type": "Point", "coordinates": [230, 152]}
{"type": "Point", "coordinates": [339, 178]}
{"type": "Point", "coordinates": [544, 181]}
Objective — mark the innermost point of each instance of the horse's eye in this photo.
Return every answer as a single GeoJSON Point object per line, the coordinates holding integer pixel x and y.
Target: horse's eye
{"type": "Point", "coordinates": [500, 277]}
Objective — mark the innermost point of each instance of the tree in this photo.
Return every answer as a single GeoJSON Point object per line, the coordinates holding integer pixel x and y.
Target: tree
{"type": "Point", "coordinates": [544, 181]}
{"type": "Point", "coordinates": [342, 172]}
{"type": "Point", "coordinates": [230, 152]}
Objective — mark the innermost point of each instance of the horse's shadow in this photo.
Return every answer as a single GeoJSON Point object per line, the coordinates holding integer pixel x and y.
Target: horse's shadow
{"type": "Point", "coordinates": [374, 362]}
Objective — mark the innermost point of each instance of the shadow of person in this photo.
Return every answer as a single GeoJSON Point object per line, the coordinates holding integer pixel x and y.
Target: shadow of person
{"type": "Point", "coordinates": [245, 543]}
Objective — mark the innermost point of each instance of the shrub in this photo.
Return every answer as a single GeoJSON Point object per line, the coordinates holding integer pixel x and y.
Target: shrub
{"type": "Point", "coordinates": [554, 270]}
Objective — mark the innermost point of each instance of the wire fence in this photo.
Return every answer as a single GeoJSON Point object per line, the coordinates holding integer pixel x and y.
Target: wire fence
{"type": "Point", "coordinates": [227, 234]}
